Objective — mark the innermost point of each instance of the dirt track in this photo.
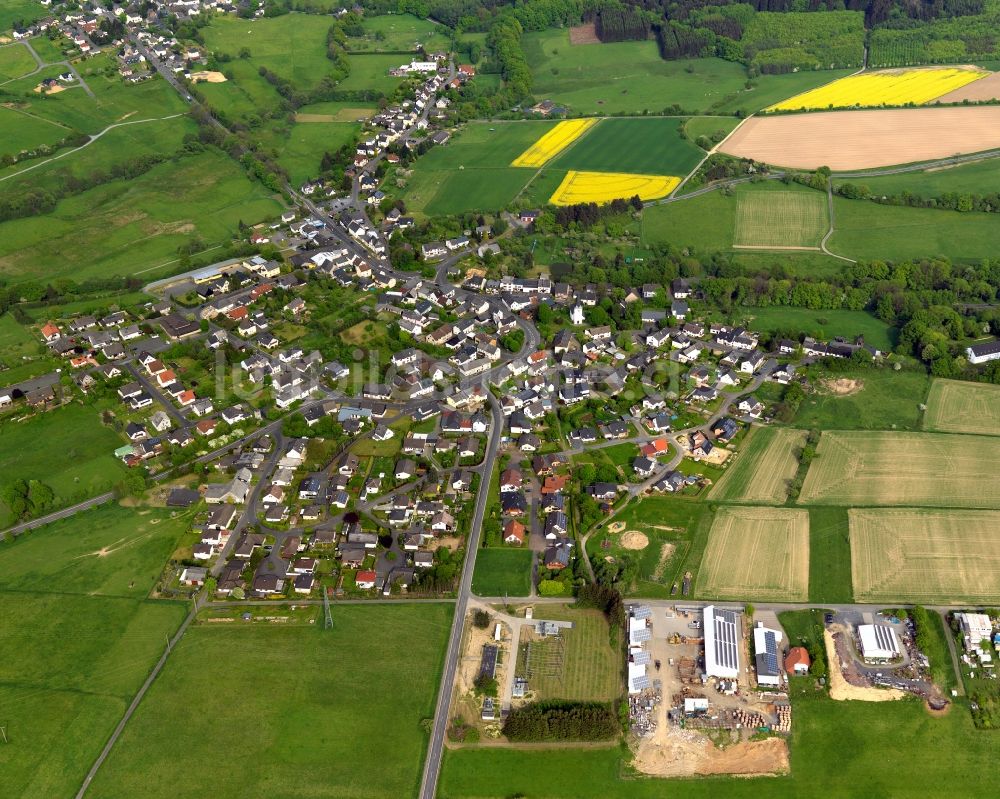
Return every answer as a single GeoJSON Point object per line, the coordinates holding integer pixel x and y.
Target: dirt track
{"type": "Point", "coordinates": [848, 140]}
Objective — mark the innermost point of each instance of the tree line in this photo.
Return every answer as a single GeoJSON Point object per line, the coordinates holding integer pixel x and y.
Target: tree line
{"type": "Point", "coordinates": [562, 721]}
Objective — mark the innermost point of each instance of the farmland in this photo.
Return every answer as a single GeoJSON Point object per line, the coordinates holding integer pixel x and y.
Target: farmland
{"type": "Point", "coordinates": [866, 139]}
{"type": "Point", "coordinates": [870, 230]}
{"type": "Point", "coordinates": [756, 553]}
{"type": "Point", "coordinates": [85, 640]}
{"type": "Point", "coordinates": [708, 223]}
{"type": "Point", "coordinates": [602, 187]}
{"type": "Point", "coordinates": [781, 219]}
{"type": "Point", "coordinates": [646, 146]}
{"type": "Point", "coordinates": [553, 142]}
{"type": "Point", "coordinates": [943, 752]}
{"type": "Point", "coordinates": [927, 556]}
{"type": "Point", "coordinates": [473, 171]}
{"type": "Point", "coordinates": [75, 469]}
{"type": "Point", "coordinates": [888, 468]}
{"type": "Point", "coordinates": [590, 670]}
{"type": "Point", "coordinates": [397, 33]}
{"type": "Point", "coordinates": [891, 88]}
{"type": "Point", "coordinates": [502, 572]}
{"type": "Point", "coordinates": [763, 469]}
{"type": "Point", "coordinates": [317, 700]}
{"type": "Point", "coordinates": [957, 407]}
{"type": "Point", "coordinates": [627, 77]}
{"type": "Point", "coordinates": [136, 226]}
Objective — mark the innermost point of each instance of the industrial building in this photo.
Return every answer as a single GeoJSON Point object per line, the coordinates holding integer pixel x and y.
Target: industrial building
{"type": "Point", "coordinates": [639, 633]}
{"type": "Point", "coordinates": [765, 650]}
{"type": "Point", "coordinates": [878, 643]}
{"type": "Point", "coordinates": [723, 634]}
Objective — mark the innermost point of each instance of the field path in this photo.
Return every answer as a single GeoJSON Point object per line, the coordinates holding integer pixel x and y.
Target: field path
{"type": "Point", "coordinates": [93, 138]}
{"type": "Point", "coordinates": [826, 238]}
{"type": "Point", "coordinates": [171, 643]}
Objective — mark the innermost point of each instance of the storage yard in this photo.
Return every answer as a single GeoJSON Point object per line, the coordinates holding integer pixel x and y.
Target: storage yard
{"type": "Point", "coordinates": [680, 709]}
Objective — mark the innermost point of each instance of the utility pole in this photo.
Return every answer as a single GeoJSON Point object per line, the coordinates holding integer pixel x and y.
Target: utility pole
{"type": "Point", "coordinates": [3, 732]}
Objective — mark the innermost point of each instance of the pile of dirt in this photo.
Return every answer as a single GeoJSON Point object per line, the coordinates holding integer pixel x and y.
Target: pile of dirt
{"type": "Point", "coordinates": [842, 386]}
{"type": "Point", "coordinates": [633, 540]}
{"type": "Point", "coordinates": [208, 77]}
{"type": "Point", "coordinates": [672, 752]}
{"type": "Point", "coordinates": [616, 527]}
{"type": "Point", "coordinates": [842, 690]}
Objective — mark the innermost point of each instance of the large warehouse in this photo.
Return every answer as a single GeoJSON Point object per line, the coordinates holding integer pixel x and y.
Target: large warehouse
{"type": "Point", "coordinates": [878, 642]}
{"type": "Point", "coordinates": [723, 636]}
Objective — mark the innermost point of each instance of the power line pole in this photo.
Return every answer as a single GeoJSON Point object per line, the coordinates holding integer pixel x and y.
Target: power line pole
{"type": "Point", "coordinates": [3, 732]}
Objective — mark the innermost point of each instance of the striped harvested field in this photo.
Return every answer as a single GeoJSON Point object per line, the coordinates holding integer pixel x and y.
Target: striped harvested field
{"type": "Point", "coordinates": [762, 471]}
{"type": "Point", "coordinates": [783, 219]}
{"type": "Point", "coordinates": [954, 406]}
{"type": "Point", "coordinates": [756, 553]}
{"type": "Point", "coordinates": [859, 468]}
{"type": "Point", "coordinates": [908, 555]}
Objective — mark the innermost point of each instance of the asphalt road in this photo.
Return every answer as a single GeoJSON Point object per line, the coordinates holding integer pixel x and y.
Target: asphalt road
{"type": "Point", "coordinates": [432, 765]}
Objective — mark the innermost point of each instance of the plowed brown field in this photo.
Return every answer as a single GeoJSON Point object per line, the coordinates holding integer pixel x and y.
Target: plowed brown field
{"type": "Point", "coordinates": [847, 140]}
{"type": "Point", "coordinates": [987, 88]}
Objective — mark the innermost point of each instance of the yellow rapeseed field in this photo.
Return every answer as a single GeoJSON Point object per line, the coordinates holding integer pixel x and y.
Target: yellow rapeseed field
{"type": "Point", "coordinates": [893, 87]}
{"type": "Point", "coordinates": [603, 187]}
{"type": "Point", "coordinates": [554, 142]}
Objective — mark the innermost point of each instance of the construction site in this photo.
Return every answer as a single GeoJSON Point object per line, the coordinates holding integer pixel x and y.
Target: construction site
{"type": "Point", "coordinates": [695, 703]}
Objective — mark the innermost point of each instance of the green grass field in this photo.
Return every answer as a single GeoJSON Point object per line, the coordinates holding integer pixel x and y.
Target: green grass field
{"type": "Point", "coordinates": [954, 406]}
{"type": "Point", "coordinates": [371, 72]}
{"type": "Point", "coordinates": [20, 11]}
{"type": "Point", "coordinates": [884, 400]}
{"type": "Point", "coordinates": [829, 556]}
{"type": "Point", "coordinates": [472, 171]}
{"type": "Point", "coordinates": [292, 45]}
{"type": "Point", "coordinates": [301, 152]}
{"type": "Point", "coordinates": [677, 529]}
{"type": "Point", "coordinates": [625, 77]}
{"type": "Point", "coordinates": [822, 325]}
{"type": "Point", "coordinates": [892, 748]}
{"type": "Point", "coordinates": [646, 146]}
{"type": "Point", "coordinates": [85, 639]}
{"type": "Point", "coordinates": [502, 572]}
{"type": "Point", "coordinates": [15, 61]}
{"type": "Point", "coordinates": [780, 219]}
{"type": "Point", "coordinates": [113, 101]}
{"type": "Point", "coordinates": [867, 230]}
{"type": "Point", "coordinates": [25, 132]}
{"type": "Point", "coordinates": [67, 448]}
{"type": "Point", "coordinates": [19, 353]}
{"type": "Point", "coordinates": [136, 226]}
{"type": "Point", "coordinates": [710, 222]}
{"type": "Point", "coordinates": [976, 178]}
{"type": "Point", "coordinates": [399, 32]}
{"type": "Point", "coordinates": [591, 666]}
{"type": "Point", "coordinates": [325, 720]}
